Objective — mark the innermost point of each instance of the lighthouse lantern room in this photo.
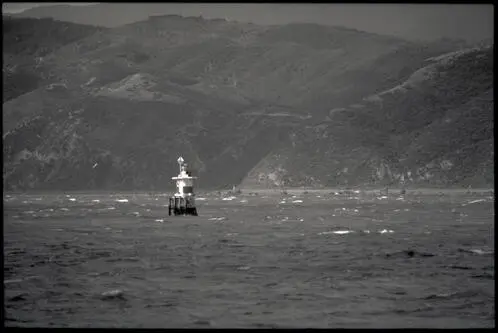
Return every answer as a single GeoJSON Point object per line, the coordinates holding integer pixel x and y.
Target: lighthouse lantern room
{"type": "Point", "coordinates": [183, 202]}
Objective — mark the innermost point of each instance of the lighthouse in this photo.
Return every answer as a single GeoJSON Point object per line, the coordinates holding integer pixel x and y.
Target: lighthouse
{"type": "Point", "coordinates": [183, 202]}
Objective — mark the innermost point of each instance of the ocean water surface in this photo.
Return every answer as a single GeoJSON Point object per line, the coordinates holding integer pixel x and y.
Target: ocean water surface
{"type": "Point", "coordinates": [320, 259]}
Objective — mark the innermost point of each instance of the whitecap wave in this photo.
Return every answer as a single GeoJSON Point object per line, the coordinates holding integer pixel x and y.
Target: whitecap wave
{"type": "Point", "coordinates": [343, 232]}
{"type": "Point", "coordinates": [473, 202]}
{"type": "Point", "coordinates": [244, 268]}
{"type": "Point", "coordinates": [217, 219]}
{"type": "Point", "coordinates": [337, 232]}
{"type": "Point", "coordinates": [117, 293]}
{"type": "Point", "coordinates": [477, 251]}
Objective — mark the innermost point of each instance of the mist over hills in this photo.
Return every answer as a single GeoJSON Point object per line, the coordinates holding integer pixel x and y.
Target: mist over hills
{"type": "Point", "coordinates": [262, 106]}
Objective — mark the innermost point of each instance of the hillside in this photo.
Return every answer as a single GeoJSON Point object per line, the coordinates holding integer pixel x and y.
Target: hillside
{"type": "Point", "coordinates": [433, 129]}
{"type": "Point", "coordinates": [428, 22]}
{"type": "Point", "coordinates": [26, 42]}
{"type": "Point", "coordinates": [102, 14]}
{"type": "Point", "coordinates": [240, 101]}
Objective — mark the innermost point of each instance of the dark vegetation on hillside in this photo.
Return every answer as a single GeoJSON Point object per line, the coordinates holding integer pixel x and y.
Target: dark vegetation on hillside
{"type": "Point", "coordinates": [26, 41]}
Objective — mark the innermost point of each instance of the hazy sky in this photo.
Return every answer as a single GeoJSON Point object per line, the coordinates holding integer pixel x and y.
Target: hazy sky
{"type": "Point", "coordinates": [425, 21]}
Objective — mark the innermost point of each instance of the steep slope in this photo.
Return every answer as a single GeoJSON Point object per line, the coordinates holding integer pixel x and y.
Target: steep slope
{"type": "Point", "coordinates": [433, 129]}
{"type": "Point", "coordinates": [26, 41]}
{"type": "Point", "coordinates": [118, 106]}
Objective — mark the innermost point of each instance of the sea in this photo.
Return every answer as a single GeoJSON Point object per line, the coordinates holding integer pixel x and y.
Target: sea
{"type": "Point", "coordinates": [304, 259]}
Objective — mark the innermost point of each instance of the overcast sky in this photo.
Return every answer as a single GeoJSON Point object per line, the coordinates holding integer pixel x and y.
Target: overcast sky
{"type": "Point", "coordinates": [425, 21]}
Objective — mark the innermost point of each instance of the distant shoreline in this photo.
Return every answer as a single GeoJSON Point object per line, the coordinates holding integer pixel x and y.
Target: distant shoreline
{"type": "Point", "coordinates": [244, 191]}
{"type": "Point", "coordinates": [420, 190]}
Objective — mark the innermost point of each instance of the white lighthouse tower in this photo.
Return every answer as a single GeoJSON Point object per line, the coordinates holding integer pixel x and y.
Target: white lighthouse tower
{"type": "Point", "coordinates": [183, 202]}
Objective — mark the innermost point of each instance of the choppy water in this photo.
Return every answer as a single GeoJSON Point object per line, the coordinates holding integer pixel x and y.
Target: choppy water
{"type": "Point", "coordinates": [312, 260]}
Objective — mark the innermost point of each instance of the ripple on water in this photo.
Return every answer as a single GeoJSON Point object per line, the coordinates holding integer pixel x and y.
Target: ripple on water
{"type": "Point", "coordinates": [251, 274]}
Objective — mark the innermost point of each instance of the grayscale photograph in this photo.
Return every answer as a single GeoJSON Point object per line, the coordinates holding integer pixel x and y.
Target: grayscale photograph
{"type": "Point", "coordinates": [248, 165]}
